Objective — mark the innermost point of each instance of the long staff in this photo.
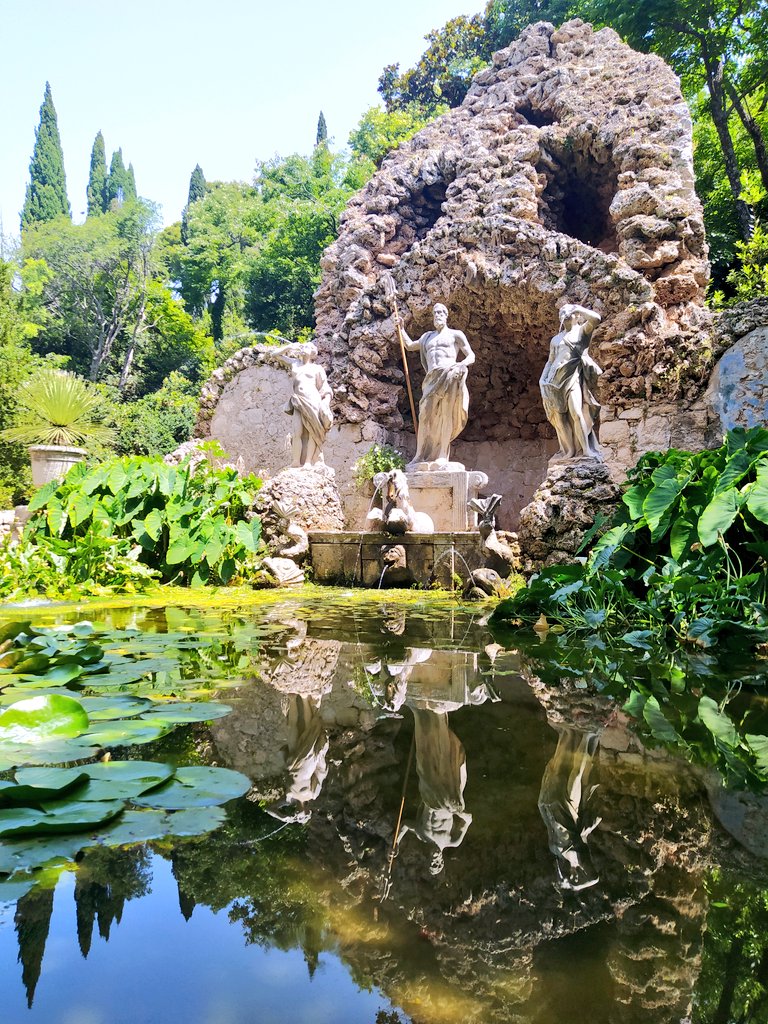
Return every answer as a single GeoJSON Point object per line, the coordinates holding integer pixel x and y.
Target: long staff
{"type": "Point", "coordinates": [391, 293]}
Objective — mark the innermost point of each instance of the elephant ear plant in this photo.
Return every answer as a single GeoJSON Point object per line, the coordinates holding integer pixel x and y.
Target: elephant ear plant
{"type": "Point", "coordinates": [57, 416]}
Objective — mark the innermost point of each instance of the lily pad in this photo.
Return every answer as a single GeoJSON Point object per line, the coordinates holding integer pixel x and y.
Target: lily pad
{"type": "Point", "coordinates": [123, 780]}
{"type": "Point", "coordinates": [29, 854]}
{"type": "Point", "coordinates": [123, 733]}
{"type": "Point", "coordinates": [178, 712]}
{"type": "Point", "coordinates": [197, 786]}
{"type": "Point", "coordinates": [35, 785]}
{"type": "Point", "coordinates": [102, 709]}
{"type": "Point", "coordinates": [39, 718]}
{"type": "Point", "coordinates": [59, 816]}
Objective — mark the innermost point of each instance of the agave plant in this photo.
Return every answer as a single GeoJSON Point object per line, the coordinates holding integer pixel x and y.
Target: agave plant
{"type": "Point", "coordinates": [57, 409]}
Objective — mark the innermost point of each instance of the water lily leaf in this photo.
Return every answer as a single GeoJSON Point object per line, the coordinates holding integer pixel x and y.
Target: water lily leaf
{"type": "Point", "coordinates": [100, 709]}
{"type": "Point", "coordinates": [10, 630]}
{"type": "Point", "coordinates": [123, 733]}
{"type": "Point", "coordinates": [178, 712]}
{"type": "Point", "coordinates": [123, 780]}
{"type": "Point", "coordinates": [194, 821]}
{"type": "Point", "coordinates": [197, 786]}
{"type": "Point", "coordinates": [39, 718]}
{"type": "Point", "coordinates": [661, 728]}
{"type": "Point", "coordinates": [18, 855]}
{"type": "Point", "coordinates": [58, 816]}
{"type": "Point", "coordinates": [53, 752]}
{"type": "Point", "coordinates": [719, 724]}
{"type": "Point", "coordinates": [35, 785]}
{"type": "Point", "coordinates": [11, 890]}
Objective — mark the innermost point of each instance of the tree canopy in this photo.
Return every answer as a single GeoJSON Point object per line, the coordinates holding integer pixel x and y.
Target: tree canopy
{"type": "Point", "coordinates": [46, 196]}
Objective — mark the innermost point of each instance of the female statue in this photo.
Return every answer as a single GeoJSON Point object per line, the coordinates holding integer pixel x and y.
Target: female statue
{"type": "Point", "coordinates": [310, 403]}
{"type": "Point", "coordinates": [568, 384]}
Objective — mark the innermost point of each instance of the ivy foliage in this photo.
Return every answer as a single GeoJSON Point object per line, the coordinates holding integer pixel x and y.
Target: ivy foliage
{"type": "Point", "coordinates": [130, 521]}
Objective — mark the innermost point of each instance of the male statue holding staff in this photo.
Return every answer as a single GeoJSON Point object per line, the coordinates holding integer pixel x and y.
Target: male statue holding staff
{"type": "Point", "coordinates": [445, 356]}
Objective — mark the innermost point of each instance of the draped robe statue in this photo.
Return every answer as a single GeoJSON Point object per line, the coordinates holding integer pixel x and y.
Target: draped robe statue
{"type": "Point", "coordinates": [444, 401]}
{"type": "Point", "coordinates": [310, 403]}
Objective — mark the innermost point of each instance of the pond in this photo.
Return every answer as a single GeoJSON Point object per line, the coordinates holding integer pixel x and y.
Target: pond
{"type": "Point", "coordinates": [443, 825]}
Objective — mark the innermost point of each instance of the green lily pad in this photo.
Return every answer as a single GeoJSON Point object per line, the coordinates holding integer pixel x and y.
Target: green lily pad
{"type": "Point", "coordinates": [35, 785]}
{"type": "Point", "coordinates": [40, 718]}
{"type": "Point", "coordinates": [123, 780]}
{"type": "Point", "coordinates": [197, 786]}
{"type": "Point", "coordinates": [12, 890]}
{"type": "Point", "coordinates": [59, 816]}
{"type": "Point", "coordinates": [124, 733]}
{"type": "Point", "coordinates": [178, 712]}
{"type": "Point", "coordinates": [102, 709]}
{"type": "Point", "coordinates": [29, 854]}
{"type": "Point", "coordinates": [52, 752]}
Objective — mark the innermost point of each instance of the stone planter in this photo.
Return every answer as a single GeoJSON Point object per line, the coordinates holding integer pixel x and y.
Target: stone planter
{"type": "Point", "coordinates": [52, 462]}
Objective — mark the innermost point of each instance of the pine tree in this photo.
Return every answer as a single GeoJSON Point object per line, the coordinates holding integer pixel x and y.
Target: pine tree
{"type": "Point", "coordinates": [97, 179]}
{"type": "Point", "coordinates": [120, 186]}
{"type": "Point", "coordinates": [322, 130]}
{"type": "Point", "coordinates": [197, 189]}
{"type": "Point", "coordinates": [46, 196]}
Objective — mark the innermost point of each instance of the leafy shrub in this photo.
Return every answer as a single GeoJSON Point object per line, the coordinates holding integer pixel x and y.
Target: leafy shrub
{"type": "Point", "coordinates": [685, 554]}
{"type": "Point", "coordinates": [125, 522]}
{"type": "Point", "coordinates": [378, 459]}
{"type": "Point", "coordinates": [158, 422]}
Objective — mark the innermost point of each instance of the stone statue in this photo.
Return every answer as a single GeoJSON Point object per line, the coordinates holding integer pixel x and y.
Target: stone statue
{"type": "Point", "coordinates": [397, 515]}
{"type": "Point", "coordinates": [444, 398]}
{"type": "Point", "coordinates": [568, 384]}
{"type": "Point", "coordinates": [310, 403]}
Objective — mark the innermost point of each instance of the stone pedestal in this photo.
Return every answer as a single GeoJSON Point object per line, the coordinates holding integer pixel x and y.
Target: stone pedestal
{"type": "Point", "coordinates": [566, 505]}
{"type": "Point", "coordinates": [443, 494]}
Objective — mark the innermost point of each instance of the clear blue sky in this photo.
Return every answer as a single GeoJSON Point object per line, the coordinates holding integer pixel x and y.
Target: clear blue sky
{"type": "Point", "coordinates": [180, 82]}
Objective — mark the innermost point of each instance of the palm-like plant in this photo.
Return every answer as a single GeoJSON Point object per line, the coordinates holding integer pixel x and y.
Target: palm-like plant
{"type": "Point", "coordinates": [57, 409]}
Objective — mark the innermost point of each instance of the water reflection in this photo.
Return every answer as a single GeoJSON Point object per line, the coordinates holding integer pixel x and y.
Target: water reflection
{"type": "Point", "coordinates": [543, 858]}
{"type": "Point", "coordinates": [567, 807]}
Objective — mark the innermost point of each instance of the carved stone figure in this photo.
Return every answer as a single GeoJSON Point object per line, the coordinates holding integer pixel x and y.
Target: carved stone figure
{"type": "Point", "coordinates": [568, 384]}
{"type": "Point", "coordinates": [310, 403]}
{"type": "Point", "coordinates": [397, 514]}
{"type": "Point", "coordinates": [446, 356]}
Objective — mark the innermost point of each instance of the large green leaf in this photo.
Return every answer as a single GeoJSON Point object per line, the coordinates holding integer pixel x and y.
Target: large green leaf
{"type": "Point", "coordinates": [63, 816]}
{"type": "Point", "coordinates": [659, 503]}
{"type": "Point", "coordinates": [41, 718]}
{"type": "Point", "coordinates": [124, 780]}
{"type": "Point", "coordinates": [179, 712]}
{"type": "Point", "coordinates": [102, 709]}
{"type": "Point", "coordinates": [661, 728]}
{"type": "Point", "coordinates": [718, 516]}
{"type": "Point", "coordinates": [719, 724]}
{"type": "Point", "coordinates": [35, 785]}
{"type": "Point", "coordinates": [124, 733]}
{"type": "Point", "coordinates": [197, 787]}
{"type": "Point", "coordinates": [757, 499]}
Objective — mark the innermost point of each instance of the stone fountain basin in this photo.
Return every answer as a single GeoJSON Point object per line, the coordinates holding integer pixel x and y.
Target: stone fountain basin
{"type": "Point", "coordinates": [355, 556]}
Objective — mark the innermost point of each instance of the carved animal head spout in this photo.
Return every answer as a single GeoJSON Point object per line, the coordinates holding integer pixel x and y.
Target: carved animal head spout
{"type": "Point", "coordinates": [486, 511]}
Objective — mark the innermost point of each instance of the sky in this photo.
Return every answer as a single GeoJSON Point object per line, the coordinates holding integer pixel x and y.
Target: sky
{"type": "Point", "coordinates": [180, 82]}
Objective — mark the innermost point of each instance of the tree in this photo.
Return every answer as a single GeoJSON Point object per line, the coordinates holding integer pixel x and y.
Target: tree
{"type": "Point", "coordinates": [121, 183]}
{"type": "Point", "coordinates": [97, 178]}
{"type": "Point", "coordinates": [197, 189]}
{"type": "Point", "coordinates": [92, 283]}
{"type": "Point", "coordinates": [380, 131]}
{"type": "Point", "coordinates": [46, 196]}
{"type": "Point", "coordinates": [322, 130]}
{"type": "Point", "coordinates": [455, 54]}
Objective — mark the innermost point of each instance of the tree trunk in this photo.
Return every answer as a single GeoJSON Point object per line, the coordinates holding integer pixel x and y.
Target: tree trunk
{"type": "Point", "coordinates": [714, 70]}
{"type": "Point", "coordinates": [753, 130]}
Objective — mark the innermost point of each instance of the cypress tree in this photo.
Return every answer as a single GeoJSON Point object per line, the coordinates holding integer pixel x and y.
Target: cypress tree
{"type": "Point", "coordinates": [119, 185]}
{"type": "Point", "coordinates": [97, 178]}
{"type": "Point", "coordinates": [46, 196]}
{"type": "Point", "coordinates": [322, 130]}
{"type": "Point", "coordinates": [197, 189]}
{"type": "Point", "coordinates": [131, 183]}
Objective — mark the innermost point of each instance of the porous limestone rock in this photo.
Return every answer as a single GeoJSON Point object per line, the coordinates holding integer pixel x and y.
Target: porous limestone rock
{"type": "Point", "coordinates": [565, 506]}
{"type": "Point", "coordinates": [565, 176]}
{"type": "Point", "coordinates": [311, 494]}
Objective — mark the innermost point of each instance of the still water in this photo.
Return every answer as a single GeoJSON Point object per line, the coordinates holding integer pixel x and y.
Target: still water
{"type": "Point", "coordinates": [433, 835]}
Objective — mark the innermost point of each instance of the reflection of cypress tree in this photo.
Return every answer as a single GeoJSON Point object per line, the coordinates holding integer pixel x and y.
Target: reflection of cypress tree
{"type": "Point", "coordinates": [33, 921]}
{"type": "Point", "coordinates": [187, 902]}
{"type": "Point", "coordinates": [106, 879]}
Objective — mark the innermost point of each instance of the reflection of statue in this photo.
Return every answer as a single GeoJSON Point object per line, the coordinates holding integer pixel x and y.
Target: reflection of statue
{"type": "Point", "coordinates": [306, 752]}
{"type": "Point", "coordinates": [444, 397]}
{"type": "Point", "coordinates": [568, 384]}
{"type": "Point", "coordinates": [441, 765]}
{"type": "Point", "coordinates": [564, 802]}
{"type": "Point", "coordinates": [310, 403]}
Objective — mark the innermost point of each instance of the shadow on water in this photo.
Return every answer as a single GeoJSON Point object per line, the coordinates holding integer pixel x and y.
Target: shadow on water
{"type": "Point", "coordinates": [438, 830]}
